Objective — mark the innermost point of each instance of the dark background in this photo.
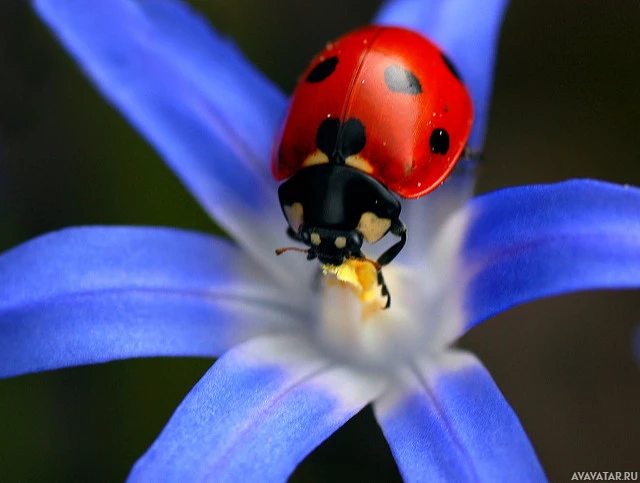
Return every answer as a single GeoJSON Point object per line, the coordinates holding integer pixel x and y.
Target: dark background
{"type": "Point", "coordinates": [566, 105]}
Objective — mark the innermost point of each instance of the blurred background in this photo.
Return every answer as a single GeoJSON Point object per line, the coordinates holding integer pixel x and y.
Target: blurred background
{"type": "Point", "coordinates": [566, 105]}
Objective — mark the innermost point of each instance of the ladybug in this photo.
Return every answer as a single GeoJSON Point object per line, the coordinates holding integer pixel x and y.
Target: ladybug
{"type": "Point", "coordinates": [379, 113]}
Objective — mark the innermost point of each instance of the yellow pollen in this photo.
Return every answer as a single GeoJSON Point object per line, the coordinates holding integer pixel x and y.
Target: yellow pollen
{"type": "Point", "coordinates": [361, 275]}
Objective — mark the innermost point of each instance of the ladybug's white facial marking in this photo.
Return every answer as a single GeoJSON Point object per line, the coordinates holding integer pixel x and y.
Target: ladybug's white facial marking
{"type": "Point", "coordinates": [315, 239]}
{"type": "Point", "coordinates": [316, 157]}
{"type": "Point", "coordinates": [295, 216]}
{"type": "Point", "coordinates": [340, 242]}
{"type": "Point", "coordinates": [372, 227]}
{"type": "Point", "coordinates": [358, 162]}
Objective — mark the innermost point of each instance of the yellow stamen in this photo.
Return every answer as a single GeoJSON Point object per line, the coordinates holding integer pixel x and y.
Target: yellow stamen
{"type": "Point", "coordinates": [361, 275]}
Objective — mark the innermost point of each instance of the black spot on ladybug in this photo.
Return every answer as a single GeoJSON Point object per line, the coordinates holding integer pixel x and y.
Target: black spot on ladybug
{"type": "Point", "coordinates": [339, 141]}
{"type": "Point", "coordinates": [352, 138]}
{"type": "Point", "coordinates": [450, 66]}
{"type": "Point", "coordinates": [402, 80]}
{"type": "Point", "coordinates": [327, 136]}
{"type": "Point", "coordinates": [439, 141]}
{"type": "Point", "coordinates": [323, 70]}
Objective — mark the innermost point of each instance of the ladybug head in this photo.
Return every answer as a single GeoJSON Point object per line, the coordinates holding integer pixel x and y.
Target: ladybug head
{"type": "Point", "coordinates": [332, 208]}
{"type": "Point", "coordinates": [330, 247]}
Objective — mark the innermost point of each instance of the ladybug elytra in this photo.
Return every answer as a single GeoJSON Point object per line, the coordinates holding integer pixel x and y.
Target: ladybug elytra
{"type": "Point", "coordinates": [379, 112]}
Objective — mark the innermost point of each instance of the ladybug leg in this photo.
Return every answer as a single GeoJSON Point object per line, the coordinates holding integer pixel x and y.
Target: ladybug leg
{"type": "Point", "coordinates": [292, 234]}
{"type": "Point", "coordinates": [398, 229]}
{"type": "Point", "coordinates": [384, 290]}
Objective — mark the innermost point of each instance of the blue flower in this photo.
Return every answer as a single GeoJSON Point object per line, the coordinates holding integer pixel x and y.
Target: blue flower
{"type": "Point", "coordinates": [296, 363]}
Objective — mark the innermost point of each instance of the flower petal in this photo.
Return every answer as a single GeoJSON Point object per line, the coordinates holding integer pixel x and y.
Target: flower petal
{"type": "Point", "coordinates": [425, 217]}
{"type": "Point", "coordinates": [89, 295]}
{"type": "Point", "coordinates": [250, 106]}
{"type": "Point", "coordinates": [451, 423]}
{"type": "Point", "coordinates": [468, 32]}
{"type": "Point", "coordinates": [194, 97]}
{"type": "Point", "coordinates": [537, 241]}
{"type": "Point", "coordinates": [256, 414]}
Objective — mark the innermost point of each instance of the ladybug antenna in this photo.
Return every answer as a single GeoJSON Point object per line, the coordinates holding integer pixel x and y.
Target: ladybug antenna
{"type": "Point", "coordinates": [280, 251]}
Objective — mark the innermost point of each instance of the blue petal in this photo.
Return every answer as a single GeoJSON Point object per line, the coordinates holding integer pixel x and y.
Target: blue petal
{"type": "Point", "coordinates": [194, 97]}
{"type": "Point", "coordinates": [468, 32]}
{"type": "Point", "coordinates": [250, 106]}
{"type": "Point", "coordinates": [88, 295]}
{"type": "Point", "coordinates": [425, 217]}
{"type": "Point", "coordinates": [255, 415]}
{"type": "Point", "coordinates": [537, 241]}
{"type": "Point", "coordinates": [451, 423]}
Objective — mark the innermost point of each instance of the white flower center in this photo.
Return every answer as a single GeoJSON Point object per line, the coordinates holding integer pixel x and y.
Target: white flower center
{"type": "Point", "coordinates": [350, 323]}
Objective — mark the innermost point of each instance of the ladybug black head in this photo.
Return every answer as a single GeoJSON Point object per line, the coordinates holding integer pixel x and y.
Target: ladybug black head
{"type": "Point", "coordinates": [330, 247]}
{"type": "Point", "coordinates": [333, 208]}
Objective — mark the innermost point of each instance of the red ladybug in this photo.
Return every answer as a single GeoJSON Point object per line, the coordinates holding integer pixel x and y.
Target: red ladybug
{"type": "Point", "coordinates": [380, 111]}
